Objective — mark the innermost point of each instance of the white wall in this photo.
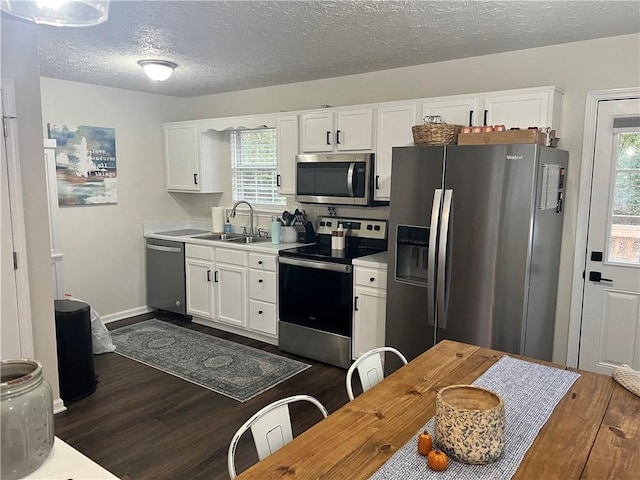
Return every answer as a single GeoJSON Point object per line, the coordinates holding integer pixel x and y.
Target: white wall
{"type": "Point", "coordinates": [575, 67]}
{"type": "Point", "coordinates": [102, 244]}
{"type": "Point", "coordinates": [20, 62]}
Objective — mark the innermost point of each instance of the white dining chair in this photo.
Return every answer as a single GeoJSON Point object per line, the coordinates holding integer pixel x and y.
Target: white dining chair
{"type": "Point", "coordinates": [369, 367]}
{"type": "Point", "coordinates": [270, 427]}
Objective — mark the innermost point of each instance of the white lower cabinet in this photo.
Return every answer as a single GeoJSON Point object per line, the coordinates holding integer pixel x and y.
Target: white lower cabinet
{"type": "Point", "coordinates": [263, 287]}
{"type": "Point", "coordinates": [233, 290]}
{"type": "Point", "coordinates": [230, 283]}
{"type": "Point", "coordinates": [199, 269]}
{"type": "Point", "coordinates": [369, 309]}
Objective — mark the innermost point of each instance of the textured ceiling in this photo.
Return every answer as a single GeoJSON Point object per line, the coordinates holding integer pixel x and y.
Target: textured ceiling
{"type": "Point", "coordinates": [223, 46]}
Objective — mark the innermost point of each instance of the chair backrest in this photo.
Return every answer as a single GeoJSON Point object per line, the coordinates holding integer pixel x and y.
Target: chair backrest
{"type": "Point", "coordinates": [270, 427]}
{"type": "Point", "coordinates": [369, 367]}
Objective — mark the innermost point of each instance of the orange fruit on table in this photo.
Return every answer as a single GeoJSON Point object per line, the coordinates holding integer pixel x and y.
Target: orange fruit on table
{"type": "Point", "coordinates": [437, 461]}
{"type": "Point", "coordinates": [425, 443]}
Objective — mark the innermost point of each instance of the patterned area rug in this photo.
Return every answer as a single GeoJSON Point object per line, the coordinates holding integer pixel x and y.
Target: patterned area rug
{"type": "Point", "coordinates": [234, 370]}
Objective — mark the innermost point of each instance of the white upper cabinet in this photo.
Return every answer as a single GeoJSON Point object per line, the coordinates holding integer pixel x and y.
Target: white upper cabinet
{"type": "Point", "coordinates": [534, 107]}
{"type": "Point", "coordinates": [349, 129]}
{"type": "Point", "coordinates": [522, 108]}
{"type": "Point", "coordinates": [193, 158]}
{"type": "Point", "coordinates": [287, 135]}
{"type": "Point", "coordinates": [182, 158]}
{"type": "Point", "coordinates": [394, 124]}
{"type": "Point", "coordinates": [457, 110]}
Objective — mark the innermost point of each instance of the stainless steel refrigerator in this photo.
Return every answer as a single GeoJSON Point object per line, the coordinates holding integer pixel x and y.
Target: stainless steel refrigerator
{"type": "Point", "coordinates": [474, 247]}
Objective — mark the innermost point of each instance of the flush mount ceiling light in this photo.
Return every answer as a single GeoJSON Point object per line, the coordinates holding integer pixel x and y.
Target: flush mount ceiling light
{"type": "Point", "coordinates": [59, 13]}
{"type": "Point", "coordinates": [158, 70]}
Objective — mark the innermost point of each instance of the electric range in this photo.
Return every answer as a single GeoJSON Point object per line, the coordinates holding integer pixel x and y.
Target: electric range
{"type": "Point", "coordinates": [316, 289]}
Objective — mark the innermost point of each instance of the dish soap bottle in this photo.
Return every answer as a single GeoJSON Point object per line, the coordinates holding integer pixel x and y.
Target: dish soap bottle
{"type": "Point", "coordinates": [228, 228]}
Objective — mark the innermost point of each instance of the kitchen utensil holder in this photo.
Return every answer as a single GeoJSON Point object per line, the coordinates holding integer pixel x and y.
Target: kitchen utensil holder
{"type": "Point", "coordinates": [435, 134]}
{"type": "Point", "coordinates": [288, 234]}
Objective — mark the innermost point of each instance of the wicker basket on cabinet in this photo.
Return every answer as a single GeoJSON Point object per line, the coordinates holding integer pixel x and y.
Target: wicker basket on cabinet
{"type": "Point", "coordinates": [435, 134]}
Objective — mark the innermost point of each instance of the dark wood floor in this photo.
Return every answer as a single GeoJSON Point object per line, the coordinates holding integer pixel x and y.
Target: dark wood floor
{"type": "Point", "coordinates": [142, 423]}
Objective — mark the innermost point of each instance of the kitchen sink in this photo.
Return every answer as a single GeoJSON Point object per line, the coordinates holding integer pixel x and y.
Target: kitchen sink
{"type": "Point", "coordinates": [232, 237]}
{"type": "Point", "coordinates": [247, 239]}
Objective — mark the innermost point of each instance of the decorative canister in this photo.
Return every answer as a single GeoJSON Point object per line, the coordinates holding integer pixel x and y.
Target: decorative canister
{"type": "Point", "coordinates": [26, 425]}
{"type": "Point", "coordinates": [469, 423]}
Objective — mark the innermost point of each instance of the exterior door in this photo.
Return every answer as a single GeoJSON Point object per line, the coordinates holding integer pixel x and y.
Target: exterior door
{"type": "Point", "coordinates": [610, 333]}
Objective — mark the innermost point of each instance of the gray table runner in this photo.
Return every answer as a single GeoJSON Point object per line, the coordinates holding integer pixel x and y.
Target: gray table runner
{"type": "Point", "coordinates": [530, 392]}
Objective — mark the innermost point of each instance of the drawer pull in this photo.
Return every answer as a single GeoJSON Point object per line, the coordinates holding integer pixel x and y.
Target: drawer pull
{"type": "Point", "coordinates": [259, 262]}
{"type": "Point", "coordinates": [260, 280]}
{"type": "Point", "coordinates": [259, 312]}
{"type": "Point", "coordinates": [372, 279]}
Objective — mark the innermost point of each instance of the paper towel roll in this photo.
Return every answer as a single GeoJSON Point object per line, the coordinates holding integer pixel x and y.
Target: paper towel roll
{"type": "Point", "coordinates": [217, 219]}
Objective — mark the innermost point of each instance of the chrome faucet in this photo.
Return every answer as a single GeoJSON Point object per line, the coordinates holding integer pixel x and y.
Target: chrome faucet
{"type": "Point", "coordinates": [233, 214]}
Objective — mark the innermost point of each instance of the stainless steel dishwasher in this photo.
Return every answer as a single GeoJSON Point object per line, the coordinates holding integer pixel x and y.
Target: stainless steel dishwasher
{"type": "Point", "coordinates": [166, 288]}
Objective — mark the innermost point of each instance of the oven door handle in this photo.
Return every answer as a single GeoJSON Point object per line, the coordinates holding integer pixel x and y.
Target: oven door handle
{"type": "Point", "coordinates": [352, 168]}
{"type": "Point", "coordinates": [334, 267]}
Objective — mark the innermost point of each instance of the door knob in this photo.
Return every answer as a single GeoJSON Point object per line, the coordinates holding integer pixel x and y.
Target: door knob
{"type": "Point", "coordinates": [597, 277]}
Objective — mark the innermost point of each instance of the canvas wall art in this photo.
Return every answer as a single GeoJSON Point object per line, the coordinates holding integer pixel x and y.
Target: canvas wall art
{"type": "Point", "coordinates": [85, 164]}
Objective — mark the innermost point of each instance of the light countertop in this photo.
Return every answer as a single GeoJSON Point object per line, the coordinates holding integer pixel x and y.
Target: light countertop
{"type": "Point", "coordinates": [263, 247]}
{"type": "Point", "coordinates": [65, 462]}
{"type": "Point", "coordinates": [377, 260]}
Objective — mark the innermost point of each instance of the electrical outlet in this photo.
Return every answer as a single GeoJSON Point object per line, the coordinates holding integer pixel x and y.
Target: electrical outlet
{"type": "Point", "coordinates": [209, 206]}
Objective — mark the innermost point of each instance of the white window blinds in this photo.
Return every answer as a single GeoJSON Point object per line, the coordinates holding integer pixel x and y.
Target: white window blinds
{"type": "Point", "coordinates": [253, 164]}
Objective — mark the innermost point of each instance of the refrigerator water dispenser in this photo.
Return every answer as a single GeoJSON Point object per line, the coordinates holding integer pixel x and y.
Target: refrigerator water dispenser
{"type": "Point", "coordinates": [412, 247]}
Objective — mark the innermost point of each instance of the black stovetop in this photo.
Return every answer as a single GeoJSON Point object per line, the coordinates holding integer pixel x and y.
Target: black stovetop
{"type": "Point", "coordinates": [321, 251]}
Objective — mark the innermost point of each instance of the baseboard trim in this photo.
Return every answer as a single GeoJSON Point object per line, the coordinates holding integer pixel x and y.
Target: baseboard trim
{"type": "Point", "coordinates": [132, 312]}
{"type": "Point", "coordinates": [58, 406]}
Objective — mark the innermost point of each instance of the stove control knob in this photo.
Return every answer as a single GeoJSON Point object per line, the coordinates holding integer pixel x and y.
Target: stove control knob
{"type": "Point", "coordinates": [369, 227]}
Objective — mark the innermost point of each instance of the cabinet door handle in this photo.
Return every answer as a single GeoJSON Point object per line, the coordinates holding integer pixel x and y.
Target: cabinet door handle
{"type": "Point", "coordinates": [195, 178]}
{"type": "Point", "coordinates": [486, 114]}
{"type": "Point", "coordinates": [372, 279]}
{"type": "Point", "coordinates": [208, 275]}
{"type": "Point", "coordinates": [215, 276]}
{"type": "Point", "coordinates": [471, 118]}
{"type": "Point", "coordinates": [355, 304]}
{"type": "Point", "coordinates": [259, 262]}
{"type": "Point", "coordinates": [260, 280]}
{"type": "Point", "coordinates": [328, 138]}
{"type": "Point", "coordinates": [338, 137]}
{"type": "Point", "coordinates": [259, 312]}
{"type": "Point", "coordinates": [277, 180]}
{"type": "Point", "coordinates": [377, 182]}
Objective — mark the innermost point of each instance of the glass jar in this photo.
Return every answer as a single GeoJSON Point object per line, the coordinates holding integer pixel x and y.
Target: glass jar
{"type": "Point", "coordinates": [26, 424]}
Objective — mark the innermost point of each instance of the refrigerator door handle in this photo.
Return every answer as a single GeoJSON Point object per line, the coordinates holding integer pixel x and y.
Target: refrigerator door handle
{"type": "Point", "coordinates": [431, 261]}
{"type": "Point", "coordinates": [443, 246]}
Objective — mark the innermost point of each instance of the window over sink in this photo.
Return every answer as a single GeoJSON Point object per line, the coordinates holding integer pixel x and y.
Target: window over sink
{"type": "Point", "coordinates": [253, 166]}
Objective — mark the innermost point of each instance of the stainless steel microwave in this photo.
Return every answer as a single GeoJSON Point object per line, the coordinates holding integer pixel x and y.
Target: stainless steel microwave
{"type": "Point", "coordinates": [336, 179]}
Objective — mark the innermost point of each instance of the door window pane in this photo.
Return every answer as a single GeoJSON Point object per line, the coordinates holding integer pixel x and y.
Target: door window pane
{"type": "Point", "coordinates": [624, 241]}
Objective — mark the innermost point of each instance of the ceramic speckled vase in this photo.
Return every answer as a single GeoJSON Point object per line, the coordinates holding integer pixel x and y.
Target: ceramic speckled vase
{"type": "Point", "coordinates": [469, 423]}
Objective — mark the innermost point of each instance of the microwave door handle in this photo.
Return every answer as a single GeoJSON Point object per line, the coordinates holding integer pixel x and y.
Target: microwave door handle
{"type": "Point", "coordinates": [431, 262]}
{"type": "Point", "coordinates": [350, 173]}
{"type": "Point", "coordinates": [443, 254]}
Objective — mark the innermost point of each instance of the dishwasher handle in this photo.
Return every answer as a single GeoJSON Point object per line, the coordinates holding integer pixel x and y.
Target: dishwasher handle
{"type": "Point", "coordinates": [164, 249]}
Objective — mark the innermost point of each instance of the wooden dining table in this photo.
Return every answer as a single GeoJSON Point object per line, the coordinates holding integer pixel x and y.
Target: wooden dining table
{"type": "Point", "coordinates": [593, 432]}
